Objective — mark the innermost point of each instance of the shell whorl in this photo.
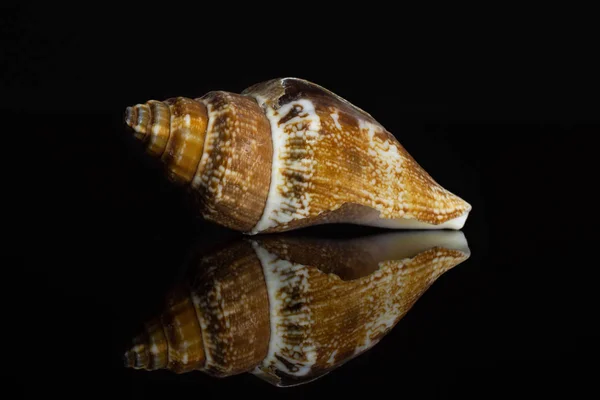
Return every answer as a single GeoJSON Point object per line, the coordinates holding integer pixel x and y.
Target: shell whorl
{"type": "Point", "coordinates": [218, 146]}
{"type": "Point", "coordinates": [292, 309]}
{"type": "Point", "coordinates": [174, 131]}
{"type": "Point", "coordinates": [286, 154]}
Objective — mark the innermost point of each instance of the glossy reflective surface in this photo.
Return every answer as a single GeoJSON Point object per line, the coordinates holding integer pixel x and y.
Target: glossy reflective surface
{"type": "Point", "coordinates": [291, 309]}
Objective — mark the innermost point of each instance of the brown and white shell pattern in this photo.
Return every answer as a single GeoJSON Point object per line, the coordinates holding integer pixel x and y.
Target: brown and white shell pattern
{"type": "Point", "coordinates": [286, 154]}
{"type": "Point", "coordinates": [282, 309]}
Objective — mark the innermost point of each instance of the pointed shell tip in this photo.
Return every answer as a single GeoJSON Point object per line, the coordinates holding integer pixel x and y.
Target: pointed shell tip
{"type": "Point", "coordinates": [129, 117]}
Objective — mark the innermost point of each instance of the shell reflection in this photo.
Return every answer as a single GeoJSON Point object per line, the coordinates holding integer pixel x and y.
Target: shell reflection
{"type": "Point", "coordinates": [291, 309]}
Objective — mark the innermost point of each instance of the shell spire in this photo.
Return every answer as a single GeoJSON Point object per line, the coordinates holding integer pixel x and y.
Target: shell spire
{"type": "Point", "coordinates": [173, 130]}
{"type": "Point", "coordinates": [289, 310]}
{"type": "Point", "coordinates": [286, 154]}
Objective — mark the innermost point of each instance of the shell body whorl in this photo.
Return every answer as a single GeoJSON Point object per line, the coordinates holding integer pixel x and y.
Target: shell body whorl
{"type": "Point", "coordinates": [286, 154]}
{"type": "Point", "coordinates": [285, 310]}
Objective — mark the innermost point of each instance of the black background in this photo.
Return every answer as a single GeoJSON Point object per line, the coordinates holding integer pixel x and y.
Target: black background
{"type": "Point", "coordinates": [507, 123]}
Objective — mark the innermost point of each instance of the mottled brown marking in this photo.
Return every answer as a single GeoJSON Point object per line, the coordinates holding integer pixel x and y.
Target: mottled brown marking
{"type": "Point", "coordinates": [233, 174]}
{"type": "Point", "coordinates": [347, 119]}
{"type": "Point", "coordinates": [343, 312]}
{"type": "Point", "coordinates": [289, 365]}
{"type": "Point", "coordinates": [296, 111]}
{"type": "Point", "coordinates": [232, 182]}
{"type": "Point", "coordinates": [230, 292]}
{"type": "Point", "coordinates": [231, 296]}
{"type": "Point", "coordinates": [346, 171]}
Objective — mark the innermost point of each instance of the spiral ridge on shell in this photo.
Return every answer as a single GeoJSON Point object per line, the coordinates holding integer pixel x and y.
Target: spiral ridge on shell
{"type": "Point", "coordinates": [286, 154]}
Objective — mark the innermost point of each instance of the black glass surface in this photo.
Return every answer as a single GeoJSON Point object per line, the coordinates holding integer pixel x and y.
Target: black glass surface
{"type": "Point", "coordinates": [101, 236]}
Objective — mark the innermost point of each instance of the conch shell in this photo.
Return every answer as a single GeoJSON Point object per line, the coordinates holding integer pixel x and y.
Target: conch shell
{"type": "Point", "coordinates": [289, 310]}
{"type": "Point", "coordinates": [286, 154]}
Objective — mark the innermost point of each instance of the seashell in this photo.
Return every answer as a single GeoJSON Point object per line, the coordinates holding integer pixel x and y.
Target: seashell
{"type": "Point", "coordinates": [289, 310]}
{"type": "Point", "coordinates": [286, 154]}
